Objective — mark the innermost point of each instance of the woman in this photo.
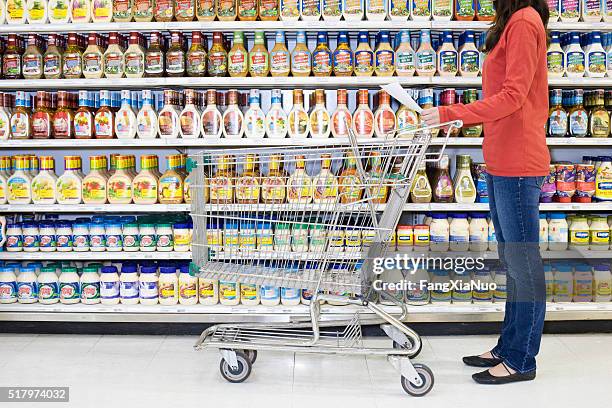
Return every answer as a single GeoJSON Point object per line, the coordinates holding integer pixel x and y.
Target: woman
{"type": "Point", "coordinates": [513, 112]}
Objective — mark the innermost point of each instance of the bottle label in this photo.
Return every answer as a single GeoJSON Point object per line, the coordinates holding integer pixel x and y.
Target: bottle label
{"type": "Point", "coordinates": [188, 290]}
{"type": "Point", "coordinates": [310, 8]}
{"type": "Point", "coordinates": [97, 241]}
{"type": "Point", "coordinates": [211, 123]}
{"type": "Point", "coordinates": [238, 63]}
{"type": "Point", "coordinates": [321, 62]}
{"type": "Point", "coordinates": [575, 62]}
{"type": "Point", "coordinates": [64, 241]}
{"type": "Point", "coordinates": [399, 8]}
{"type": "Point", "coordinates": [557, 123]}
{"type": "Point", "coordinates": [113, 64]}
{"type": "Point", "coordinates": [298, 123]}
{"type": "Point", "coordinates": [426, 61]}
{"type": "Point", "coordinates": [171, 188]}
{"type": "Point", "coordinates": [470, 61]}
{"type": "Point", "coordinates": [20, 125]}
{"type": "Point", "coordinates": [69, 290]}
{"type": "Point", "coordinates": [220, 189]}
{"type": "Point", "coordinates": [82, 124]}
{"type": "Point", "coordinates": [255, 123]}
{"type": "Point", "coordinates": [319, 122]}
{"type": "Point", "coordinates": [217, 63]}
{"type": "Point", "coordinates": [62, 125]}
{"type": "Point", "coordinates": [279, 62]}
{"type": "Point", "coordinates": [167, 290]}
{"type": "Point", "coordinates": [47, 241]}
{"type": "Point", "coordinates": [114, 240]}
{"type": "Point", "coordinates": [570, 9]}
{"type": "Point", "coordinates": [299, 188]}
{"type": "Point", "coordinates": [146, 120]}
{"type": "Point", "coordinates": [341, 122]}
{"type": "Point", "coordinates": [464, 8]}
{"type": "Point", "coordinates": [104, 121]}
{"type": "Point", "coordinates": [553, 8]}
{"type": "Point", "coordinates": [18, 188]}
{"type": "Point", "coordinates": [168, 125]}
{"type": "Point", "coordinates": [196, 63]}
{"type": "Point", "coordinates": [154, 63]}
{"type": "Point", "coordinates": [109, 290]}
{"type": "Point", "coordinates": [30, 241]}
{"type": "Point", "coordinates": [325, 188]}
{"type": "Point", "coordinates": [578, 123]}
{"type": "Point", "coordinates": [405, 62]}
{"type": "Point", "coordinates": [232, 122]}
{"type": "Point", "coordinates": [148, 290]}
{"type": "Point", "coordinates": [80, 10]}
{"type": "Point", "coordinates": [48, 291]}
{"type": "Point", "coordinates": [25, 290]}
{"type": "Point", "coordinates": [599, 123]}
{"type": "Point", "coordinates": [43, 188]}
{"type": "Point", "coordinates": [128, 290]}
{"type": "Point", "coordinates": [385, 61]}
{"type": "Point", "coordinates": [258, 63]}
{"type": "Point", "coordinates": [422, 8]}
{"type": "Point", "coordinates": [134, 64]}
{"type": "Point", "coordinates": [8, 290]}
{"type": "Point", "coordinates": [600, 237]}
{"type": "Point", "coordinates": [205, 8]}
{"type": "Point", "coordinates": [448, 61]}
{"type": "Point", "coordinates": [90, 290]}
{"type": "Point", "coordinates": [597, 62]}
{"type": "Point", "coordinates": [184, 9]}
{"type": "Point", "coordinates": [248, 291]}
{"type": "Point", "coordinates": [276, 123]}
{"type": "Point", "coordinates": [11, 65]}
{"type": "Point", "coordinates": [175, 62]}
{"type": "Point", "coordinates": [343, 62]}
{"type": "Point", "coordinates": [148, 241]}
{"type": "Point", "coordinates": [555, 61]}
{"type": "Point", "coordinates": [227, 290]}
{"type": "Point", "coordinates": [385, 122]}
{"type": "Point", "coordinates": [273, 189]}
{"type": "Point", "coordinates": [353, 7]}
{"type": "Point", "coordinates": [268, 8]}
{"type": "Point", "coordinates": [72, 65]}
{"type": "Point", "coordinates": [363, 122]}
{"type": "Point", "coordinates": [188, 123]}
{"type": "Point", "coordinates": [592, 8]}
{"type": "Point", "coordinates": [41, 128]}
{"type": "Point", "coordinates": [300, 61]}
{"type": "Point", "coordinates": [32, 65]}
{"type": "Point", "coordinates": [94, 189]}
{"type": "Point", "coordinates": [486, 8]}
{"type": "Point", "coordinates": [119, 188]}
{"type": "Point", "coordinates": [80, 241]}
{"type": "Point", "coordinates": [130, 241]}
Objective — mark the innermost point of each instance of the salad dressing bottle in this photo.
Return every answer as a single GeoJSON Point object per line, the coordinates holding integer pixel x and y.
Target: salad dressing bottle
{"type": "Point", "coordinates": [189, 119]}
{"type": "Point", "coordinates": [104, 118]}
{"type": "Point", "coordinates": [19, 184]}
{"type": "Point", "coordinates": [575, 57]}
{"type": "Point", "coordinates": [384, 56]}
{"type": "Point", "coordinates": [32, 59]}
{"type": "Point", "coordinates": [212, 121]}
{"type": "Point", "coordinates": [247, 185]}
{"type": "Point", "coordinates": [119, 185]}
{"type": "Point", "coordinates": [80, 11]}
{"type": "Point", "coordinates": [310, 10]}
{"type": "Point", "coordinates": [134, 57]}
{"type": "Point", "coordinates": [259, 62]}
{"type": "Point", "coordinates": [471, 96]}
{"type": "Point", "coordinates": [227, 10]}
{"type": "Point", "coordinates": [52, 59]}
{"type": "Point", "coordinates": [441, 10]}
{"type": "Point", "coordinates": [596, 66]}
{"type": "Point", "coordinates": [425, 56]}
{"type": "Point", "coordinates": [254, 118]}
{"type": "Point", "coordinates": [555, 57]}
{"type": "Point", "coordinates": [125, 118]}
{"type": "Point", "coordinates": [94, 184]}
{"type": "Point", "coordinates": [352, 10]}
{"type": "Point", "coordinates": [599, 118]}
{"type": "Point", "coordinates": [273, 185]}
{"type": "Point", "coordinates": [41, 118]}
{"type": "Point", "coordinates": [83, 118]}
{"type": "Point", "coordinates": [319, 117]}
{"type": "Point", "coordinates": [168, 120]}
{"type": "Point", "coordinates": [146, 120]}
{"type": "Point", "coordinates": [325, 184]}
{"type": "Point", "coordinates": [404, 55]}
{"type": "Point", "coordinates": [205, 10]}
{"type": "Point", "coordinates": [557, 116]}
{"type": "Point", "coordinates": [93, 58]}
{"type": "Point", "coordinates": [238, 57]}
{"type": "Point", "coordinates": [364, 57]}
{"type": "Point", "coordinates": [175, 56]}
{"type": "Point", "coordinates": [343, 58]}
{"type": "Point", "coordinates": [69, 185]}
{"type": "Point", "coordinates": [301, 59]}
{"type": "Point", "coordinates": [407, 120]}
{"type": "Point", "coordinates": [469, 56]}
{"type": "Point", "coordinates": [146, 182]}
{"type": "Point", "coordinates": [170, 186]}
{"type": "Point", "coordinates": [196, 56]}
{"type": "Point", "coordinates": [341, 120]}
{"type": "Point", "coordinates": [280, 61]}
{"type": "Point", "coordinates": [447, 56]}
{"type": "Point", "coordinates": [268, 9]}
{"type": "Point", "coordinates": [123, 11]}
{"type": "Point", "coordinates": [44, 184]}
{"type": "Point", "coordinates": [221, 183]}
{"type": "Point", "coordinates": [276, 118]}
{"type": "Point", "coordinates": [247, 10]}
{"type": "Point", "coordinates": [233, 119]}
{"type": "Point", "coordinates": [113, 58]}
{"type": "Point", "coordinates": [5, 119]}
{"type": "Point", "coordinates": [376, 10]}
{"type": "Point", "coordinates": [155, 62]}
{"type": "Point", "coordinates": [384, 117]}
{"type": "Point", "coordinates": [299, 184]}
{"type": "Point", "coordinates": [143, 10]}
{"type": "Point", "coordinates": [102, 11]}
{"type": "Point", "coordinates": [21, 121]}
{"type": "Point", "coordinates": [217, 56]}
{"type": "Point", "coordinates": [465, 190]}
{"type": "Point", "coordinates": [16, 11]}
{"type": "Point", "coordinates": [363, 118]}
{"type": "Point", "coordinates": [63, 118]}
{"type": "Point", "coordinates": [322, 56]}
{"type": "Point", "coordinates": [73, 59]}
{"type": "Point", "coordinates": [289, 10]}
{"type": "Point", "coordinates": [443, 191]}
{"type": "Point", "coordinates": [299, 126]}
{"type": "Point", "coordinates": [36, 11]}
{"type": "Point", "coordinates": [350, 186]}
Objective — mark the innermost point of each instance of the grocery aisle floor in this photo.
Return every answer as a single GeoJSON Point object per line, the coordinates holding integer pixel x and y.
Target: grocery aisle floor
{"type": "Point", "coordinates": [164, 371]}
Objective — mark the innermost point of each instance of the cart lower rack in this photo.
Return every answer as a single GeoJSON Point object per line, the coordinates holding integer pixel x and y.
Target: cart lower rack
{"type": "Point", "coordinates": [292, 201]}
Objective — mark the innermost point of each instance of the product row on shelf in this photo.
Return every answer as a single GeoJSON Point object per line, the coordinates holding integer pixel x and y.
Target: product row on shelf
{"type": "Point", "coordinates": [171, 284]}
{"type": "Point", "coordinates": [117, 56]}
{"type": "Point", "coordinates": [125, 11]}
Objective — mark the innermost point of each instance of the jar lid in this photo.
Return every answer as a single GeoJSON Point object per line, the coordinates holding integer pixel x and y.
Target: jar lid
{"type": "Point", "coordinates": [80, 226]}
{"type": "Point", "coordinates": [300, 226]}
{"type": "Point", "coordinates": [47, 269]}
{"type": "Point", "coordinates": [29, 225]}
{"type": "Point", "coordinates": [460, 215]}
{"type": "Point", "coordinates": [439, 216]}
{"type": "Point", "coordinates": [583, 268]}
{"type": "Point", "coordinates": [282, 226]}
{"type": "Point", "coordinates": [69, 269]}
{"type": "Point", "coordinates": [26, 269]}
{"type": "Point", "coordinates": [181, 226]}
{"type": "Point", "coordinates": [109, 269]}
{"type": "Point", "coordinates": [184, 268]}
{"type": "Point", "coordinates": [148, 269]}
{"type": "Point", "coordinates": [247, 224]}
{"type": "Point", "coordinates": [164, 225]}
{"type": "Point", "coordinates": [147, 225]}
{"type": "Point", "coordinates": [13, 225]}
{"type": "Point", "coordinates": [7, 269]}
{"type": "Point", "coordinates": [557, 216]}
{"type": "Point", "coordinates": [130, 225]}
{"type": "Point", "coordinates": [479, 215]}
{"type": "Point", "coordinates": [167, 269]}
{"type": "Point", "coordinates": [231, 224]}
{"type": "Point", "coordinates": [63, 225]}
{"type": "Point", "coordinates": [90, 269]}
{"type": "Point", "coordinates": [602, 268]}
{"type": "Point", "coordinates": [128, 268]}
{"type": "Point", "coordinates": [46, 224]}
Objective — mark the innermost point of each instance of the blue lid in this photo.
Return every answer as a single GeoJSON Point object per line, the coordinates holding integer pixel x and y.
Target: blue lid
{"type": "Point", "coordinates": [167, 269]}
{"type": "Point", "coordinates": [184, 268]}
{"type": "Point", "coordinates": [247, 224]}
{"type": "Point", "coordinates": [29, 225]}
{"type": "Point", "coordinates": [557, 216]}
{"type": "Point", "coordinates": [63, 224]}
{"type": "Point", "coordinates": [547, 267]}
{"type": "Point", "coordinates": [6, 269]}
{"type": "Point", "coordinates": [109, 269]}
{"type": "Point", "coordinates": [231, 224]}
{"type": "Point", "coordinates": [148, 269]}
{"type": "Point", "coordinates": [439, 216]}
{"type": "Point", "coordinates": [35, 264]}
{"type": "Point", "coordinates": [543, 216]}
{"type": "Point", "coordinates": [80, 226]}
{"type": "Point", "coordinates": [582, 267]}
{"type": "Point", "coordinates": [13, 225]}
{"type": "Point", "coordinates": [128, 268]}
{"type": "Point", "coordinates": [601, 267]}
{"type": "Point", "coordinates": [460, 215]}
{"type": "Point", "coordinates": [563, 268]}
{"type": "Point", "coordinates": [25, 269]}
{"type": "Point", "coordinates": [478, 215]}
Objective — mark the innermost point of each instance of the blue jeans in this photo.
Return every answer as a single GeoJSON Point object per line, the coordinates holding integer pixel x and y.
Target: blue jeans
{"type": "Point", "coordinates": [514, 203]}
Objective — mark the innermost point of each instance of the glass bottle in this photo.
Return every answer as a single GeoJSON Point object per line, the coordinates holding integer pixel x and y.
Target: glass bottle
{"type": "Point", "coordinates": [146, 120]}
{"type": "Point", "coordinates": [175, 56]}
{"type": "Point", "coordinates": [113, 58]}
{"type": "Point", "coordinates": [168, 118]}
{"type": "Point", "coordinates": [247, 185]}
{"type": "Point", "coordinates": [221, 183]}
{"type": "Point", "coordinates": [143, 10]}
{"type": "Point", "coordinates": [212, 121]}
{"type": "Point", "coordinates": [447, 56]}
{"type": "Point", "coordinates": [155, 61]}
{"type": "Point", "coordinates": [254, 118]}
{"type": "Point", "coordinates": [375, 183]}
{"type": "Point", "coordinates": [247, 10]}
{"type": "Point", "coordinates": [384, 56]}
{"type": "Point", "coordinates": [196, 56]}
{"type": "Point", "coordinates": [325, 184]}
{"type": "Point", "coordinates": [273, 186]}
{"type": "Point", "coordinates": [557, 116]}
{"type": "Point", "coordinates": [73, 59]}
{"type": "Point", "coordinates": [42, 117]}
{"type": "Point", "coordinates": [63, 118]}
{"type": "Point", "coordinates": [52, 59]}
{"type": "Point", "coordinates": [83, 118]}
{"type": "Point", "coordinates": [189, 119]}
{"type": "Point", "coordinates": [233, 119]}
{"type": "Point", "coordinates": [443, 191]}
{"type": "Point", "coordinates": [217, 56]}
{"type": "Point", "coordinates": [5, 123]}
{"type": "Point", "coordinates": [363, 118]}
{"type": "Point", "coordinates": [238, 60]}
{"type": "Point", "coordinates": [322, 56]}
{"type": "Point", "coordinates": [599, 118]}
{"type": "Point", "coordinates": [425, 56]}
{"type": "Point", "coordinates": [319, 117]}
{"type": "Point", "coordinates": [227, 10]}
{"type": "Point", "coordinates": [259, 62]}
{"type": "Point", "coordinates": [93, 58]}
{"type": "Point", "coordinates": [465, 190]}
{"type": "Point", "coordinates": [32, 60]}
{"type": "Point", "coordinates": [134, 57]}
{"type": "Point", "coordinates": [185, 10]}
{"type": "Point", "coordinates": [299, 126]}
{"type": "Point", "coordinates": [301, 58]}
{"type": "Point", "coordinates": [343, 58]}
{"type": "Point", "coordinates": [268, 9]}
{"type": "Point", "coordinates": [420, 191]}
{"type": "Point", "coordinates": [280, 61]}
{"type": "Point", "coordinates": [104, 119]}
{"type": "Point", "coordinates": [11, 60]}
{"type": "Point", "coordinates": [578, 116]}
{"type": "Point", "coordinates": [44, 184]}
{"type": "Point", "coordinates": [164, 10]}
{"type": "Point", "coordinates": [21, 121]}
{"type": "Point", "coordinates": [364, 56]}
{"type": "Point", "coordinates": [205, 10]}
{"type": "Point", "coordinates": [350, 186]}
{"type": "Point", "coordinates": [299, 183]}
{"type": "Point", "coordinates": [341, 119]}
{"type": "Point", "coordinates": [123, 11]}
{"type": "Point", "coordinates": [404, 55]}
{"type": "Point", "coordinates": [276, 118]}
{"type": "Point", "coordinates": [384, 117]}
{"type": "Point", "coordinates": [125, 118]}
{"type": "Point", "coordinates": [471, 96]}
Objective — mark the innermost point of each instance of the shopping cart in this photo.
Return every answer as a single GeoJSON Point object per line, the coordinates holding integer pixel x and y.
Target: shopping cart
{"type": "Point", "coordinates": [261, 218]}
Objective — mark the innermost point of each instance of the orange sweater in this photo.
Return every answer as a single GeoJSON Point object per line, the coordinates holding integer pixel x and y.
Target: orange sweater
{"type": "Point", "coordinates": [514, 109]}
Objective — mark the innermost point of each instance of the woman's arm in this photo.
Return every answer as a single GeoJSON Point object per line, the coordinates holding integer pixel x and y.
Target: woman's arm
{"type": "Point", "coordinates": [521, 63]}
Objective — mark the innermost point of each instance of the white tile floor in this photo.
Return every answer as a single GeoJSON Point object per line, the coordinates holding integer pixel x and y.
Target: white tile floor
{"type": "Point", "coordinates": [164, 371]}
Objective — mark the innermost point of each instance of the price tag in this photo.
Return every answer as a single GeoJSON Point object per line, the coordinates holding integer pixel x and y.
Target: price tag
{"type": "Point", "coordinates": [181, 310]}
{"type": "Point", "coordinates": [4, 208]}
{"type": "Point", "coordinates": [289, 24]}
{"type": "Point", "coordinates": [147, 256]}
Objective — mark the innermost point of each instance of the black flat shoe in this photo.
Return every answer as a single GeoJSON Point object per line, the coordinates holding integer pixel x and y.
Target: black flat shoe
{"type": "Point", "coordinates": [477, 361]}
{"type": "Point", "coordinates": [485, 377]}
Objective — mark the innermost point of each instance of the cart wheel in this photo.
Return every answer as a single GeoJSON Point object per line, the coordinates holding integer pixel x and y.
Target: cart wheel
{"type": "Point", "coordinates": [428, 381]}
{"type": "Point", "coordinates": [396, 345]}
{"type": "Point", "coordinates": [241, 373]}
{"type": "Point", "coordinates": [251, 355]}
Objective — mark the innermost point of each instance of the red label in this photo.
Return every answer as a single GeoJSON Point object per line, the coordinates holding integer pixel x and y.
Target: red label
{"type": "Point", "coordinates": [40, 125]}
{"type": "Point", "coordinates": [237, 58]}
{"type": "Point", "coordinates": [61, 125]}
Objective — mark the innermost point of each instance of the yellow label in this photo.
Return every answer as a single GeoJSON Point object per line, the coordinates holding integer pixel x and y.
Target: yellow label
{"type": "Point", "coordinates": [273, 188]}
{"type": "Point", "coordinates": [207, 289]}
{"type": "Point", "coordinates": [247, 188]}
{"type": "Point", "coordinates": [221, 189]}
{"type": "Point", "coordinates": [171, 187]}
{"type": "Point", "coordinates": [214, 238]}
{"type": "Point", "coordinates": [78, 13]}
{"type": "Point", "coordinates": [60, 13]}
{"type": "Point", "coordinates": [18, 189]}
{"type": "Point", "coordinates": [36, 14]}
{"type": "Point", "coordinates": [265, 240]}
{"type": "Point", "coordinates": [181, 239]}
{"type": "Point", "coordinates": [600, 237]}
{"type": "Point", "coordinates": [145, 188]}
{"type": "Point", "coordinates": [15, 9]}
{"type": "Point", "coordinates": [101, 12]}
{"type": "Point", "coordinates": [94, 188]}
{"type": "Point", "coordinates": [603, 288]}
{"type": "Point", "coordinates": [404, 238]}
{"type": "Point", "coordinates": [580, 237]}
{"type": "Point", "coordinates": [43, 189]}
{"type": "Point", "coordinates": [227, 290]}
{"type": "Point", "coordinates": [247, 240]}
{"type": "Point", "coordinates": [120, 188]}
{"type": "Point", "coordinates": [2, 191]}
{"type": "Point", "coordinates": [167, 291]}
{"type": "Point", "coordinates": [248, 291]}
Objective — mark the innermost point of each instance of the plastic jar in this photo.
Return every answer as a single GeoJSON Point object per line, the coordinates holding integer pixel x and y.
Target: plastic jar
{"type": "Point", "coordinates": [290, 296]}
{"type": "Point", "coordinates": [299, 239]}
{"type": "Point", "coordinates": [208, 290]}
{"type": "Point", "coordinates": [336, 240]}
{"type": "Point", "coordinates": [168, 285]}
{"type": "Point", "coordinates": [231, 238]}
{"type": "Point", "coordinates": [80, 240]}
{"type": "Point", "coordinates": [128, 285]}
{"type": "Point", "coordinates": [439, 233]}
{"type": "Point", "coordinates": [557, 232]}
{"type": "Point", "coordinates": [14, 238]}
{"type": "Point", "coordinates": [405, 237]}
{"type": "Point", "coordinates": [27, 285]}
{"type": "Point", "coordinates": [247, 237]}
{"type": "Point", "coordinates": [270, 295]}
{"type": "Point", "coordinates": [543, 232]}
{"type": "Point", "coordinates": [492, 236]}
{"type": "Point", "coordinates": [47, 240]}
{"type": "Point", "coordinates": [419, 293]}
{"type": "Point", "coordinates": [583, 283]}
{"type": "Point", "coordinates": [249, 294]}
{"type": "Point", "coordinates": [131, 237]}
{"type": "Point", "coordinates": [463, 292]}
{"type": "Point", "coordinates": [229, 293]}
{"type": "Point", "coordinates": [36, 265]}
{"type": "Point", "coordinates": [165, 241]}
{"type": "Point", "coordinates": [180, 236]}
{"type": "Point", "coordinates": [564, 283]}
{"type": "Point", "coordinates": [148, 287]}
{"type": "Point", "coordinates": [8, 285]}
{"type": "Point", "coordinates": [214, 236]}
{"type": "Point", "coordinates": [439, 278]}
{"type": "Point", "coordinates": [48, 286]}
{"type": "Point", "coordinates": [479, 232]}
{"type": "Point", "coordinates": [63, 232]}
{"type": "Point", "coordinates": [97, 236]}
{"type": "Point", "coordinates": [549, 279]}
{"type": "Point", "coordinates": [600, 234]}
{"type": "Point", "coordinates": [188, 287]}
{"type": "Point", "coordinates": [482, 291]}
{"type": "Point", "coordinates": [90, 286]}
{"type": "Point", "coordinates": [70, 286]}
{"type": "Point", "coordinates": [318, 239]}
{"type": "Point", "coordinates": [265, 237]}
{"type": "Point", "coordinates": [31, 237]}
{"type": "Point", "coordinates": [602, 283]}
{"type": "Point", "coordinates": [148, 237]}
{"type": "Point", "coordinates": [109, 286]}
{"type": "Point", "coordinates": [459, 233]}
{"type": "Point", "coordinates": [500, 293]}
{"type": "Point", "coordinates": [421, 237]}
{"type": "Point", "coordinates": [282, 237]}
{"type": "Point", "coordinates": [114, 237]}
{"type": "Point", "coordinates": [579, 233]}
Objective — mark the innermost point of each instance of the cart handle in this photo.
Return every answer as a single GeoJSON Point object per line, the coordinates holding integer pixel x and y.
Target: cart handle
{"type": "Point", "coordinates": [455, 124]}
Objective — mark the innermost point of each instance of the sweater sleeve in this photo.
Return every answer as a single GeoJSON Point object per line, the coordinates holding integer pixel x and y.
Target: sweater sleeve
{"type": "Point", "coordinates": [521, 64]}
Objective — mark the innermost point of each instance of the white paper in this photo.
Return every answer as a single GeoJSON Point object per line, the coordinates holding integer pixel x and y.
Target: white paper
{"type": "Point", "coordinates": [395, 90]}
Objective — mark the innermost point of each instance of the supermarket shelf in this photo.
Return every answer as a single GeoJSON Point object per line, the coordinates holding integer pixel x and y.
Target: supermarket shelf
{"type": "Point", "coordinates": [91, 208]}
{"type": "Point", "coordinates": [485, 312]}
{"type": "Point", "coordinates": [268, 142]}
{"type": "Point", "coordinates": [91, 256]}
{"type": "Point", "coordinates": [250, 26]}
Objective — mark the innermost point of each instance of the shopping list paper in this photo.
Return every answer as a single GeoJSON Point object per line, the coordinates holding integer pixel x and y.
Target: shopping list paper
{"type": "Point", "coordinates": [395, 90]}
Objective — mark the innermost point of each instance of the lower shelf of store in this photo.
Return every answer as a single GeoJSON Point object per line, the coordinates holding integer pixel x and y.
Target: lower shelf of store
{"type": "Point", "coordinates": [479, 312]}
{"type": "Point", "coordinates": [91, 256]}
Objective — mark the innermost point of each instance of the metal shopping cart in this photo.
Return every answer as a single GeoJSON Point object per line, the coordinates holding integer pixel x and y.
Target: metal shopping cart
{"type": "Point", "coordinates": [262, 218]}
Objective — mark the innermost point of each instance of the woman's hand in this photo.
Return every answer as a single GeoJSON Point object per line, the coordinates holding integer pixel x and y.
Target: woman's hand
{"type": "Point", "coordinates": [431, 116]}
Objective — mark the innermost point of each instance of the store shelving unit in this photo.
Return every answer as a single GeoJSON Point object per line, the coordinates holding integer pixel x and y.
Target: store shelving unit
{"type": "Point", "coordinates": [92, 256]}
